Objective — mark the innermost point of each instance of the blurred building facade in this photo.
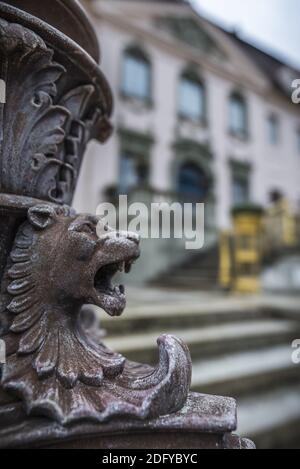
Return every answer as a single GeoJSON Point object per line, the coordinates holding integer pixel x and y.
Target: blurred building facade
{"type": "Point", "coordinates": [200, 115]}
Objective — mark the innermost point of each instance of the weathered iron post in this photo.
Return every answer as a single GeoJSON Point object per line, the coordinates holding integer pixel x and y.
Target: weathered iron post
{"type": "Point", "coordinates": [60, 386]}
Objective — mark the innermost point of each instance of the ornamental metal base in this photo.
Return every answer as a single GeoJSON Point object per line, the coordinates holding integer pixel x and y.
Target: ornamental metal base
{"type": "Point", "coordinates": [205, 422]}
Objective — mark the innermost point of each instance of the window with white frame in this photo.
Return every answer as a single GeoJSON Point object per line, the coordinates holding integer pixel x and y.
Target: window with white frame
{"type": "Point", "coordinates": [240, 177]}
{"type": "Point", "coordinates": [240, 191]}
{"type": "Point", "coordinates": [136, 75]}
{"type": "Point", "coordinates": [273, 129]}
{"type": "Point", "coordinates": [192, 98]}
{"type": "Point", "coordinates": [238, 116]}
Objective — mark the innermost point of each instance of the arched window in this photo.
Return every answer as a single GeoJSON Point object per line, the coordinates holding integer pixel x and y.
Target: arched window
{"type": "Point", "coordinates": [136, 74]}
{"type": "Point", "coordinates": [192, 99]}
{"type": "Point", "coordinates": [238, 118]}
{"type": "Point", "coordinates": [193, 182]}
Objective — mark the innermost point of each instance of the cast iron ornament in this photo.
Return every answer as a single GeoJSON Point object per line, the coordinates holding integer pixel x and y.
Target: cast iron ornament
{"type": "Point", "coordinates": [58, 262]}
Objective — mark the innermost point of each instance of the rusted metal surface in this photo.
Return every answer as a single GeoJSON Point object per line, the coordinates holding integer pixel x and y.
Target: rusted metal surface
{"type": "Point", "coordinates": [60, 382]}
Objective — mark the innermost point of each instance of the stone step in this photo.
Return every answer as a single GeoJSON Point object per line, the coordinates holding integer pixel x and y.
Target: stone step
{"type": "Point", "coordinates": [199, 272]}
{"type": "Point", "coordinates": [245, 372]}
{"type": "Point", "coordinates": [194, 272]}
{"type": "Point", "coordinates": [188, 314]}
{"type": "Point", "coordinates": [272, 419]}
{"type": "Point", "coordinates": [196, 283]}
{"type": "Point", "coordinates": [209, 341]}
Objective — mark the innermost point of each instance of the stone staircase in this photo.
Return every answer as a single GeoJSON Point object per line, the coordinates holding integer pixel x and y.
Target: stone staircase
{"type": "Point", "coordinates": [240, 348]}
{"type": "Point", "coordinates": [199, 271]}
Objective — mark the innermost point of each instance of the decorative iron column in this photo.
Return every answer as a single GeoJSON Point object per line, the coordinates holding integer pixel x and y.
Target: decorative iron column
{"type": "Point", "coordinates": [60, 385]}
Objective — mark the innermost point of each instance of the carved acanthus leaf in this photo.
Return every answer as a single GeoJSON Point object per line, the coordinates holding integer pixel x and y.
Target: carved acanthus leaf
{"type": "Point", "coordinates": [43, 136]}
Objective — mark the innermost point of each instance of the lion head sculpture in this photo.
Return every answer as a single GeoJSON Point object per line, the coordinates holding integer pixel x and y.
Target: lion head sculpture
{"type": "Point", "coordinates": [59, 262]}
{"type": "Point", "coordinates": [75, 256]}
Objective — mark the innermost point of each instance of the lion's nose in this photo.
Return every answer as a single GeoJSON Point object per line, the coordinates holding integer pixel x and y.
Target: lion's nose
{"type": "Point", "coordinates": [131, 236]}
{"type": "Point", "coordinates": [134, 237]}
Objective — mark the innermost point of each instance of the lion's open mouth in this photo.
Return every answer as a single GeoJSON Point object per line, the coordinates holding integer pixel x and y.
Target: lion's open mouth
{"type": "Point", "coordinates": [112, 297]}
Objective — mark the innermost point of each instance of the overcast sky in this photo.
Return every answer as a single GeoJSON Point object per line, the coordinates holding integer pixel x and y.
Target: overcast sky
{"type": "Point", "coordinates": [274, 24]}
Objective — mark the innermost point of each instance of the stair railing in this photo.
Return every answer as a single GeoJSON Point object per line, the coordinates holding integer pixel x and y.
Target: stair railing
{"type": "Point", "coordinates": [256, 238]}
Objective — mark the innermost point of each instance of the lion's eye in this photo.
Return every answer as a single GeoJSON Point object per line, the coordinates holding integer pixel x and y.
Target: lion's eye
{"type": "Point", "coordinates": [89, 229]}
